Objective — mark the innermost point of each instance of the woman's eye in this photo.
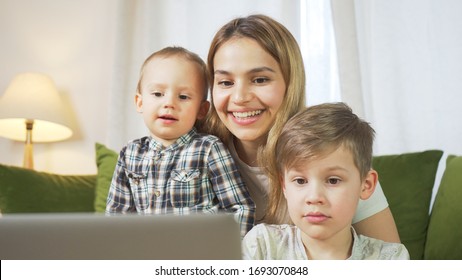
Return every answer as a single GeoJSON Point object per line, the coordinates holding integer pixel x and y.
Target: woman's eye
{"type": "Point", "coordinates": [260, 80]}
{"type": "Point", "coordinates": [225, 83]}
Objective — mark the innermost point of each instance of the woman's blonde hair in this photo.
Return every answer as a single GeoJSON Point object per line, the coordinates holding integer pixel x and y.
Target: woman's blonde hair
{"type": "Point", "coordinates": [277, 40]}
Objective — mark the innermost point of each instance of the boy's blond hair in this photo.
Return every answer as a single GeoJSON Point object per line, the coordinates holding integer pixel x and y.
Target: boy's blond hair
{"type": "Point", "coordinates": [180, 52]}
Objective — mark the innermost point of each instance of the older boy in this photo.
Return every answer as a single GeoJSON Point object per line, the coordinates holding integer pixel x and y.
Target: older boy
{"type": "Point", "coordinates": [323, 160]}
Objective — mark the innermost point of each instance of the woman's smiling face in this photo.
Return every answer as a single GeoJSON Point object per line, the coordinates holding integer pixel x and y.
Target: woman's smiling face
{"type": "Point", "coordinates": [248, 88]}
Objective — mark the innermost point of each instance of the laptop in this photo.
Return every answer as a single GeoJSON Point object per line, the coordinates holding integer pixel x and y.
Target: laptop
{"type": "Point", "coordinates": [126, 237]}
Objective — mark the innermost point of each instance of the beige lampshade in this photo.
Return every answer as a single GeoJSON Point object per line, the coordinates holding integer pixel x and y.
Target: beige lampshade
{"type": "Point", "coordinates": [33, 96]}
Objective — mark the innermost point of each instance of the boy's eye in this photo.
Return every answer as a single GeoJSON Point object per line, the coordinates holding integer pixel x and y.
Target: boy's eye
{"type": "Point", "coordinates": [333, 181]}
{"type": "Point", "coordinates": [183, 97]}
{"type": "Point", "coordinates": [157, 93]}
{"type": "Point", "coordinates": [299, 181]}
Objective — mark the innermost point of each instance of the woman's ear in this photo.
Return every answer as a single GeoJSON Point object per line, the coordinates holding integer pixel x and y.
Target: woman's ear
{"type": "Point", "coordinates": [139, 102]}
{"type": "Point", "coordinates": [203, 110]}
{"type": "Point", "coordinates": [369, 184]}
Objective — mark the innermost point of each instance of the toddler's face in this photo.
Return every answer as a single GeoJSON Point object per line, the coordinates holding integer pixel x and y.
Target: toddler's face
{"type": "Point", "coordinates": [171, 97]}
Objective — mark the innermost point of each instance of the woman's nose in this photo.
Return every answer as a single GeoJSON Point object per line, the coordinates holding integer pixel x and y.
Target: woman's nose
{"type": "Point", "coordinates": [241, 94]}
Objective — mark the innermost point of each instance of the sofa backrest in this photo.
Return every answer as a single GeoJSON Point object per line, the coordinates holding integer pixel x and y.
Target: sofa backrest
{"type": "Point", "coordinates": [445, 229]}
{"type": "Point", "coordinates": [407, 181]}
{"type": "Point", "coordinates": [28, 191]}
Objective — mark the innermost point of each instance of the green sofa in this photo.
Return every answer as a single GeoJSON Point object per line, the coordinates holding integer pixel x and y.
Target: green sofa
{"type": "Point", "coordinates": [407, 181]}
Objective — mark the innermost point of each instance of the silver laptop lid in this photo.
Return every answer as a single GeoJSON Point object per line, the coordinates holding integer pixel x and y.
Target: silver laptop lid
{"type": "Point", "coordinates": [127, 237]}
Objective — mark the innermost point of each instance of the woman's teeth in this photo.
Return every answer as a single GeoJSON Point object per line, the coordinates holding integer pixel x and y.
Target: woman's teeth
{"type": "Point", "coordinates": [243, 115]}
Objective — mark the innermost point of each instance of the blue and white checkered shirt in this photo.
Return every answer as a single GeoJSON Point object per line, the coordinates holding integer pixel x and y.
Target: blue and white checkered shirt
{"type": "Point", "coordinates": [196, 174]}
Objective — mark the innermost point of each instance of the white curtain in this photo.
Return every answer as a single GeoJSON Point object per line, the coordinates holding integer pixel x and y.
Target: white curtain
{"type": "Point", "coordinates": [400, 65]}
{"type": "Point", "coordinates": [399, 61]}
{"type": "Point", "coordinates": [319, 52]}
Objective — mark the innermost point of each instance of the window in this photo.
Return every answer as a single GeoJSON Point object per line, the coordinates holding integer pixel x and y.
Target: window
{"type": "Point", "coordinates": [319, 53]}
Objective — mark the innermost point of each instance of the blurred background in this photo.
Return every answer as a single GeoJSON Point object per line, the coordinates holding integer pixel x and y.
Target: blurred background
{"type": "Point", "coordinates": [396, 62]}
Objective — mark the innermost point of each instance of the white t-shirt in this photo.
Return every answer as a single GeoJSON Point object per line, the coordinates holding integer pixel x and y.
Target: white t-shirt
{"type": "Point", "coordinates": [258, 187]}
{"type": "Point", "coordinates": [284, 242]}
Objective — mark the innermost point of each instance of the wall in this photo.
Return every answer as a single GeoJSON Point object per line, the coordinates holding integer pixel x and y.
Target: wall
{"type": "Point", "coordinates": [72, 41]}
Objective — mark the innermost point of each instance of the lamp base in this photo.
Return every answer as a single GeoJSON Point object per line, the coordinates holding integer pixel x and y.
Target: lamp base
{"type": "Point", "coordinates": [28, 148]}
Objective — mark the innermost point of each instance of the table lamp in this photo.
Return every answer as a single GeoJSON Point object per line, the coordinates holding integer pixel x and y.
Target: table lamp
{"type": "Point", "coordinates": [31, 110]}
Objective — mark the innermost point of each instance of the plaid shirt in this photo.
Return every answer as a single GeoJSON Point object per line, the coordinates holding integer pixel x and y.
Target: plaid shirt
{"type": "Point", "coordinates": [195, 174]}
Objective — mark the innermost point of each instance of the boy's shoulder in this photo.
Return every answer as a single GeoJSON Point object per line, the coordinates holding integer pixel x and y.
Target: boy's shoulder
{"type": "Point", "coordinates": [275, 242]}
{"type": "Point", "coordinates": [138, 144]}
{"type": "Point", "coordinates": [206, 140]}
{"type": "Point", "coordinates": [192, 139]}
{"type": "Point", "coordinates": [370, 248]}
{"type": "Point", "coordinates": [195, 138]}
{"type": "Point", "coordinates": [273, 231]}
{"type": "Point", "coordinates": [206, 137]}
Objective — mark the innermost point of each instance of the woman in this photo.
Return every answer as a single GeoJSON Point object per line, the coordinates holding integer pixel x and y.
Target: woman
{"type": "Point", "coordinates": [258, 84]}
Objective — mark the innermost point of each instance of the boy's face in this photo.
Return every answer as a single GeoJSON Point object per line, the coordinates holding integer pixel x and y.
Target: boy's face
{"type": "Point", "coordinates": [171, 97]}
{"type": "Point", "coordinates": [323, 193]}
